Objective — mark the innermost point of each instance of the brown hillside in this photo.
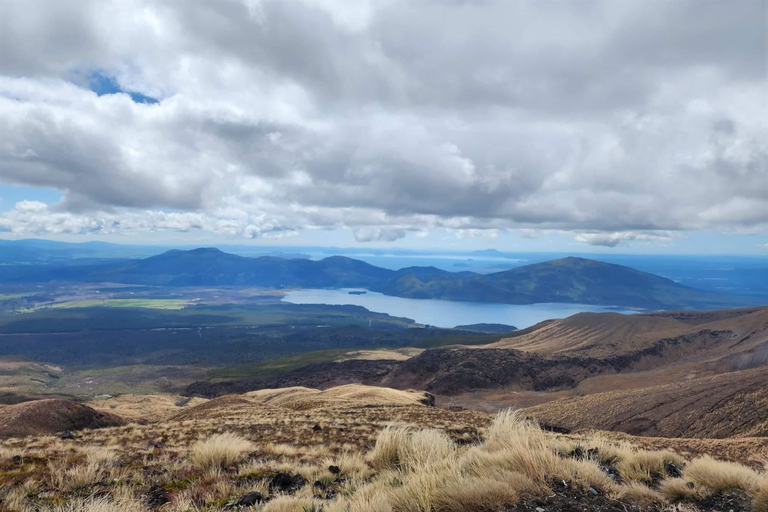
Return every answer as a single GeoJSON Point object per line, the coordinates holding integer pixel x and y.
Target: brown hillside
{"type": "Point", "coordinates": [734, 339]}
{"type": "Point", "coordinates": [51, 416]}
{"type": "Point", "coordinates": [732, 404]}
{"type": "Point", "coordinates": [145, 408]}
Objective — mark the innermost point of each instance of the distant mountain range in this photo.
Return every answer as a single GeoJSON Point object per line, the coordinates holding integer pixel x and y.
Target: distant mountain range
{"type": "Point", "coordinates": [566, 280]}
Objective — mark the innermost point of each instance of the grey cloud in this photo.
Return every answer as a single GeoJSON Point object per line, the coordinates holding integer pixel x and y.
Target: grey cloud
{"type": "Point", "coordinates": [613, 120]}
{"type": "Point", "coordinates": [379, 234]}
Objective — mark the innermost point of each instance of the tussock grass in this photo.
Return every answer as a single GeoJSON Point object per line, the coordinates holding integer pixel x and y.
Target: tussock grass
{"type": "Point", "coordinates": [102, 505]}
{"type": "Point", "coordinates": [403, 467]}
{"type": "Point", "coordinates": [636, 492]}
{"type": "Point", "coordinates": [721, 476]}
{"type": "Point", "coordinates": [388, 450]}
{"type": "Point", "coordinates": [678, 489]}
{"type": "Point", "coordinates": [219, 450]}
{"type": "Point", "coordinates": [760, 499]}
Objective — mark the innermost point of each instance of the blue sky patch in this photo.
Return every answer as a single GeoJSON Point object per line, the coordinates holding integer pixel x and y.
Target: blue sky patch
{"type": "Point", "coordinates": [102, 84]}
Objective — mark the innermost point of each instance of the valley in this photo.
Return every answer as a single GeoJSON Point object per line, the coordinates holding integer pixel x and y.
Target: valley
{"type": "Point", "coordinates": [143, 367]}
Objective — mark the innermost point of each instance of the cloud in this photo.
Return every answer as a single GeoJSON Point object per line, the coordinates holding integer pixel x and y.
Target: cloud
{"type": "Point", "coordinates": [614, 239]}
{"type": "Point", "coordinates": [277, 116]}
{"type": "Point", "coordinates": [379, 234]}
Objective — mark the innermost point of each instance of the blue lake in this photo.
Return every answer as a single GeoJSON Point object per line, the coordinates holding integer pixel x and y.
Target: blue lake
{"type": "Point", "coordinates": [445, 313]}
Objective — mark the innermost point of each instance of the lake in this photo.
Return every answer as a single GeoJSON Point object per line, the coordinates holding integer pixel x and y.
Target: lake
{"type": "Point", "coordinates": [446, 313]}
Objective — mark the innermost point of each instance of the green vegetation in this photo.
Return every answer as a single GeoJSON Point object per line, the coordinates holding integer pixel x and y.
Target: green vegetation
{"type": "Point", "coordinates": [134, 316]}
{"type": "Point", "coordinates": [123, 303]}
{"type": "Point", "coordinates": [275, 366]}
{"type": "Point", "coordinates": [11, 296]}
{"type": "Point", "coordinates": [285, 364]}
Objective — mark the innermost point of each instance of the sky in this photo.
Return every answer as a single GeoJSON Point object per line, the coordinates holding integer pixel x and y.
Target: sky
{"type": "Point", "coordinates": [548, 125]}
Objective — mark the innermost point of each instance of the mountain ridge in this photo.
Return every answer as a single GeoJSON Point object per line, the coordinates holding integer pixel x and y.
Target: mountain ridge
{"type": "Point", "coordinates": [565, 280]}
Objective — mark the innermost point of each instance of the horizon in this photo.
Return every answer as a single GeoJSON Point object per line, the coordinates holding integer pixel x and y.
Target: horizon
{"type": "Point", "coordinates": [382, 250]}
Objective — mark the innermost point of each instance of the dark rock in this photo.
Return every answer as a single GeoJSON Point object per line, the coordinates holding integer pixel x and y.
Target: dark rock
{"type": "Point", "coordinates": [690, 485]}
{"type": "Point", "coordinates": [16, 459]}
{"type": "Point", "coordinates": [334, 469]}
{"type": "Point", "coordinates": [317, 427]}
{"type": "Point", "coordinates": [250, 499]}
{"type": "Point", "coordinates": [285, 482]}
{"type": "Point", "coordinates": [157, 497]}
{"type": "Point", "coordinates": [555, 429]}
{"type": "Point", "coordinates": [67, 435]}
{"type": "Point", "coordinates": [428, 400]}
{"type": "Point", "coordinates": [672, 470]}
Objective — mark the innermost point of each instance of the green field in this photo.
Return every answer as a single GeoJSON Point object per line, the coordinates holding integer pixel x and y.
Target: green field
{"type": "Point", "coordinates": [10, 296]}
{"type": "Point", "coordinates": [124, 303]}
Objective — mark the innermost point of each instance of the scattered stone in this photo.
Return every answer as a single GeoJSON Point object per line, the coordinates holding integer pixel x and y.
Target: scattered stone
{"type": "Point", "coordinates": [539, 509]}
{"type": "Point", "coordinates": [593, 491]}
{"type": "Point", "coordinates": [16, 459]}
{"type": "Point", "coordinates": [335, 470]}
{"type": "Point", "coordinates": [67, 435]}
{"type": "Point", "coordinates": [157, 497]}
{"type": "Point", "coordinates": [285, 482]}
{"type": "Point", "coordinates": [250, 499]}
{"type": "Point", "coordinates": [317, 427]}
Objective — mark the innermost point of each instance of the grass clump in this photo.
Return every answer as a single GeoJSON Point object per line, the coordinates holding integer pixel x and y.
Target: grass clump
{"type": "Point", "coordinates": [219, 450]}
{"type": "Point", "coordinates": [720, 475]}
{"type": "Point", "coordinates": [760, 499]}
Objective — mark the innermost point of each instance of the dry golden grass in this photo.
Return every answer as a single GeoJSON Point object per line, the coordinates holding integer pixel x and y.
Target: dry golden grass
{"type": "Point", "coordinates": [145, 407]}
{"type": "Point", "coordinates": [396, 457]}
{"type": "Point", "coordinates": [300, 399]}
{"type": "Point", "coordinates": [721, 476]}
{"type": "Point", "coordinates": [219, 450]}
{"type": "Point", "coordinates": [760, 500]}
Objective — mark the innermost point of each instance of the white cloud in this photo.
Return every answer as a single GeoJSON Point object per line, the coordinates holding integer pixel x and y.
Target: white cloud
{"type": "Point", "coordinates": [277, 116]}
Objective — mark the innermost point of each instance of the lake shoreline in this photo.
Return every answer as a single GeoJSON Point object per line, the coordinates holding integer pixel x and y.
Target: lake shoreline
{"type": "Point", "coordinates": [445, 313]}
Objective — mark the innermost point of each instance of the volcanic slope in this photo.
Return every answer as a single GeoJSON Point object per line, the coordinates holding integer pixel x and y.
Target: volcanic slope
{"type": "Point", "coordinates": [728, 405]}
{"type": "Point", "coordinates": [710, 334]}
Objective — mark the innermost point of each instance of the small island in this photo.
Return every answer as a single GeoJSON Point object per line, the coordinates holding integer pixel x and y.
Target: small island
{"type": "Point", "coordinates": [357, 292]}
